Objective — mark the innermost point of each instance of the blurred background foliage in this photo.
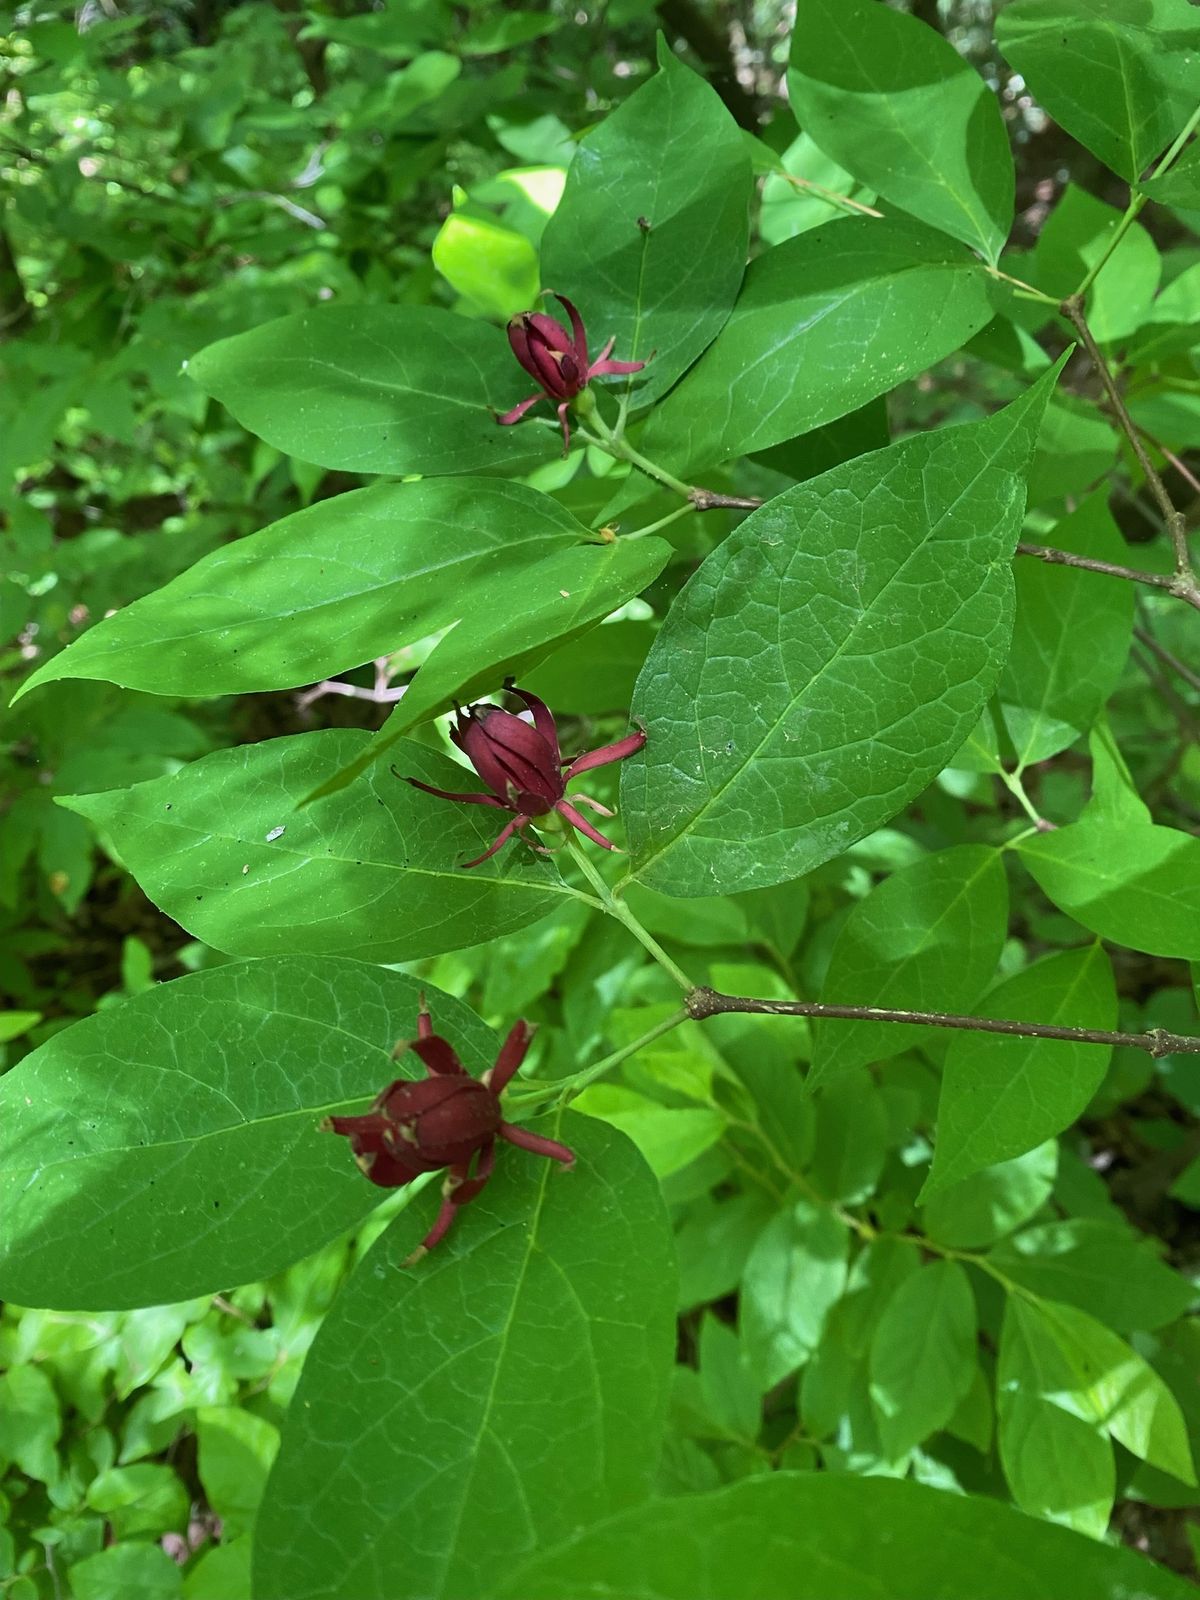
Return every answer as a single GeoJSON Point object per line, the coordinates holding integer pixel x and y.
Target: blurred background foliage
{"type": "Point", "coordinates": [173, 173]}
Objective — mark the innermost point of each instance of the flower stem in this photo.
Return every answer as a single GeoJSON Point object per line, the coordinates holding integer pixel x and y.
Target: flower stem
{"type": "Point", "coordinates": [617, 908]}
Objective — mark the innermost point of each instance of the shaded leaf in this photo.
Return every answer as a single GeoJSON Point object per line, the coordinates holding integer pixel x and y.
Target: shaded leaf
{"type": "Point", "coordinates": [1004, 1095]}
{"type": "Point", "coordinates": [927, 938]}
{"type": "Point", "coordinates": [923, 1355]}
{"type": "Point", "coordinates": [327, 589]}
{"type": "Point", "coordinates": [895, 103]}
{"type": "Point", "coordinates": [1119, 77]}
{"type": "Point", "coordinates": [1138, 886]}
{"type": "Point", "coordinates": [802, 1535]}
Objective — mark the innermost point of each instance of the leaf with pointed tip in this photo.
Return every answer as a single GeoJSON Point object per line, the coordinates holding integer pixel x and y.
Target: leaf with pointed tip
{"type": "Point", "coordinates": [1119, 76]}
{"type": "Point", "coordinates": [509, 1389]}
{"type": "Point", "coordinates": [1004, 1095]}
{"type": "Point", "coordinates": [923, 1355]}
{"type": "Point", "coordinates": [1138, 886]}
{"type": "Point", "coordinates": [341, 583]}
{"type": "Point", "coordinates": [393, 389]}
{"type": "Point", "coordinates": [927, 938]}
{"type": "Point", "coordinates": [169, 1147]}
{"type": "Point", "coordinates": [650, 236]}
{"type": "Point", "coordinates": [812, 1536]}
{"type": "Point", "coordinates": [222, 847]}
{"type": "Point", "coordinates": [514, 623]}
{"type": "Point", "coordinates": [792, 354]}
{"type": "Point", "coordinates": [895, 103]}
{"type": "Point", "coordinates": [828, 658]}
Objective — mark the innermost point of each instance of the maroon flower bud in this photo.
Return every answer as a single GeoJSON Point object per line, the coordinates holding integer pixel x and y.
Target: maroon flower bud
{"type": "Point", "coordinates": [558, 361]}
{"type": "Point", "coordinates": [524, 769]}
{"type": "Point", "coordinates": [443, 1120]}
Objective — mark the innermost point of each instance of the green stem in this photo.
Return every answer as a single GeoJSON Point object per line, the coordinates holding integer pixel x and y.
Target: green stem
{"type": "Point", "coordinates": [1028, 292]}
{"type": "Point", "coordinates": [617, 908]}
{"type": "Point", "coordinates": [1136, 204]}
{"type": "Point", "coordinates": [663, 522]}
{"type": "Point", "coordinates": [579, 1082]}
{"type": "Point", "coordinates": [614, 441]}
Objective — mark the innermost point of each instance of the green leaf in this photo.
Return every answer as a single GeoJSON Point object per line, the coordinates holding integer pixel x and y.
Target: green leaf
{"type": "Point", "coordinates": [650, 236]}
{"type": "Point", "coordinates": [492, 267]}
{"type": "Point", "coordinates": [426, 1449]}
{"type": "Point", "coordinates": [1003, 1095]}
{"type": "Point", "coordinates": [1119, 75]}
{"type": "Point", "coordinates": [1138, 886]}
{"type": "Point", "coordinates": [669, 1138]}
{"type": "Point", "coordinates": [926, 938]}
{"type": "Point", "coordinates": [1180, 185]}
{"type": "Point", "coordinates": [30, 1416]}
{"type": "Point", "coordinates": [345, 581]}
{"type": "Point", "coordinates": [792, 354]}
{"type": "Point", "coordinates": [923, 1356]}
{"type": "Point", "coordinates": [796, 1272]}
{"type": "Point", "coordinates": [1092, 1373]}
{"type": "Point", "coordinates": [1070, 638]}
{"type": "Point", "coordinates": [221, 846]}
{"type": "Point", "coordinates": [507, 627]}
{"type": "Point", "coordinates": [895, 103]}
{"type": "Point", "coordinates": [146, 1498]}
{"type": "Point", "coordinates": [850, 1143]}
{"type": "Point", "coordinates": [134, 1570]}
{"type": "Point", "coordinates": [1112, 1274]}
{"type": "Point", "coordinates": [1114, 799]}
{"type": "Point", "coordinates": [984, 1207]}
{"type": "Point", "coordinates": [1057, 1465]}
{"type": "Point", "coordinates": [169, 1147]}
{"type": "Point", "coordinates": [235, 1450]}
{"type": "Point", "coordinates": [727, 1386]}
{"type": "Point", "coordinates": [394, 389]}
{"type": "Point", "coordinates": [875, 605]}
{"type": "Point", "coordinates": [1077, 236]}
{"type": "Point", "coordinates": [811, 1536]}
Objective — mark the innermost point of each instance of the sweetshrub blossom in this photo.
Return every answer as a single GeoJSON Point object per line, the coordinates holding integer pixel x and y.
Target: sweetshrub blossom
{"type": "Point", "coordinates": [523, 767]}
{"type": "Point", "coordinates": [558, 361]}
{"type": "Point", "coordinates": [442, 1120]}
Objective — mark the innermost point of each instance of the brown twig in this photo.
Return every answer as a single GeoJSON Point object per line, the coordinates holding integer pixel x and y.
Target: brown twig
{"type": "Point", "coordinates": [703, 1002]}
{"type": "Point", "coordinates": [1184, 583]}
{"type": "Point", "coordinates": [1067, 558]}
{"type": "Point", "coordinates": [1179, 668]}
{"type": "Point", "coordinates": [710, 500]}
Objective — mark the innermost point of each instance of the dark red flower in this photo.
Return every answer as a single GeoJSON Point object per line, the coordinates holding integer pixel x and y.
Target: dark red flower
{"type": "Point", "coordinates": [442, 1120]}
{"type": "Point", "coordinates": [558, 361]}
{"type": "Point", "coordinates": [523, 767]}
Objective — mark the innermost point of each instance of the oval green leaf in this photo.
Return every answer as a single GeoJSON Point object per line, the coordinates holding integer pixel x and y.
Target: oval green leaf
{"type": "Point", "coordinates": [895, 103]}
{"type": "Point", "coordinates": [811, 1536]}
{"type": "Point", "coordinates": [221, 846]}
{"type": "Point", "coordinates": [459, 1415]}
{"type": "Point", "coordinates": [169, 1147]}
{"type": "Point", "coordinates": [1004, 1095]}
{"type": "Point", "coordinates": [394, 389]}
{"type": "Point", "coordinates": [341, 583]}
{"type": "Point", "coordinates": [828, 658]}
{"type": "Point", "coordinates": [1138, 886]}
{"type": "Point", "coordinates": [650, 236]}
{"type": "Point", "coordinates": [792, 354]}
